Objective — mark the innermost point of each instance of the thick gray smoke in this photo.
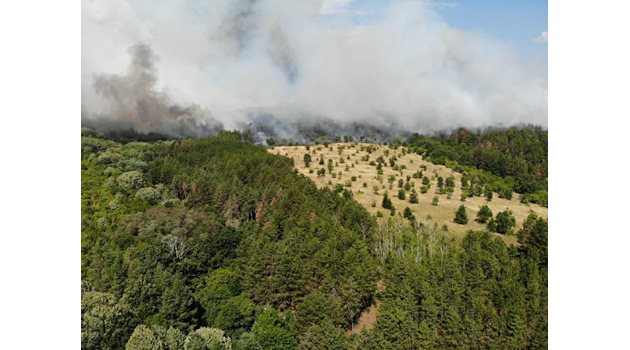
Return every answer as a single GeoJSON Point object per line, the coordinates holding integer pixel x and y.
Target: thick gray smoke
{"type": "Point", "coordinates": [134, 103]}
{"type": "Point", "coordinates": [282, 68]}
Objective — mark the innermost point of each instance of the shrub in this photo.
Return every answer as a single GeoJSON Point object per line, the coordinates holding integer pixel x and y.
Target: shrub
{"type": "Point", "coordinates": [435, 200]}
{"type": "Point", "coordinates": [408, 214]}
{"type": "Point", "coordinates": [484, 214]}
{"type": "Point", "coordinates": [460, 216]}
{"type": "Point", "coordinates": [148, 194]}
{"type": "Point", "coordinates": [401, 194]}
{"type": "Point", "coordinates": [492, 225]}
{"type": "Point", "coordinates": [307, 160]}
{"type": "Point", "coordinates": [505, 221]}
{"type": "Point", "coordinates": [387, 203]}
{"type": "Point", "coordinates": [130, 180]}
{"type": "Point", "coordinates": [413, 197]}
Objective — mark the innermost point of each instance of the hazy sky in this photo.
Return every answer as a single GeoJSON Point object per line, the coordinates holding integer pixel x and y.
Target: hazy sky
{"type": "Point", "coordinates": [419, 65]}
{"type": "Point", "coordinates": [517, 22]}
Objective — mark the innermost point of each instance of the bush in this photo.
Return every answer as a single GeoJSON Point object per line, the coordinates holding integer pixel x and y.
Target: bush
{"type": "Point", "coordinates": [401, 194]}
{"type": "Point", "coordinates": [148, 194]}
{"type": "Point", "coordinates": [484, 214]}
{"type": "Point", "coordinates": [387, 203]}
{"type": "Point", "coordinates": [492, 225]}
{"type": "Point", "coordinates": [130, 180]}
{"type": "Point", "coordinates": [460, 216]}
{"type": "Point", "coordinates": [413, 197]}
{"type": "Point", "coordinates": [505, 221]}
{"type": "Point", "coordinates": [408, 214]}
{"type": "Point", "coordinates": [307, 160]}
{"type": "Point", "coordinates": [435, 200]}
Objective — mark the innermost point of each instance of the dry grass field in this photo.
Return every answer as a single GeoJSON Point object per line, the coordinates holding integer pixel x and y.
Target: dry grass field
{"type": "Point", "coordinates": [368, 187]}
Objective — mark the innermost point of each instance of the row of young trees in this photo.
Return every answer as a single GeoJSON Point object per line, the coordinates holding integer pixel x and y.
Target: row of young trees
{"type": "Point", "coordinates": [503, 223]}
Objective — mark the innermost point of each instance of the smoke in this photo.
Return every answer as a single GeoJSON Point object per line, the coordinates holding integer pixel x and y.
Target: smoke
{"type": "Point", "coordinates": [286, 69]}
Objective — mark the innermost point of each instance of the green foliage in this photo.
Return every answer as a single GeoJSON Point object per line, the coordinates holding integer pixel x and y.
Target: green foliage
{"type": "Point", "coordinates": [408, 214]}
{"type": "Point", "coordinates": [106, 322]}
{"type": "Point", "coordinates": [492, 225]}
{"type": "Point", "coordinates": [307, 160]}
{"type": "Point", "coordinates": [149, 195]}
{"type": "Point", "coordinates": [444, 294]}
{"type": "Point", "coordinates": [484, 214]}
{"type": "Point", "coordinates": [387, 203]}
{"type": "Point", "coordinates": [207, 339]}
{"type": "Point", "coordinates": [505, 221]}
{"type": "Point", "coordinates": [435, 201]}
{"type": "Point", "coordinates": [236, 315]}
{"type": "Point", "coordinates": [316, 308]}
{"type": "Point", "coordinates": [520, 153]}
{"type": "Point", "coordinates": [240, 251]}
{"type": "Point", "coordinates": [413, 197]}
{"type": "Point", "coordinates": [219, 286]}
{"type": "Point", "coordinates": [130, 180]}
{"type": "Point", "coordinates": [401, 194]}
{"type": "Point", "coordinates": [272, 332]}
{"type": "Point", "coordinates": [460, 216]}
{"type": "Point", "coordinates": [325, 336]}
{"type": "Point", "coordinates": [533, 239]}
{"type": "Point", "coordinates": [147, 338]}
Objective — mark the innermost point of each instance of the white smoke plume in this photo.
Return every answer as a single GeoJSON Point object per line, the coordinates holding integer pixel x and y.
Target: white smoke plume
{"type": "Point", "coordinates": [277, 66]}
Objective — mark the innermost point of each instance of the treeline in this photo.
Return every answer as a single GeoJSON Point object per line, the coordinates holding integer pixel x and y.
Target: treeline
{"type": "Point", "coordinates": [215, 243]}
{"type": "Point", "coordinates": [517, 157]}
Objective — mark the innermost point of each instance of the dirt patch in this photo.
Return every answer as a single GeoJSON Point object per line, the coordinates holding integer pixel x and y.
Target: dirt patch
{"type": "Point", "coordinates": [367, 319]}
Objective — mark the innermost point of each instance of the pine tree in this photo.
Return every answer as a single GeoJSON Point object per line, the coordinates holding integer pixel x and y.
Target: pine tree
{"type": "Point", "coordinates": [460, 216]}
{"type": "Point", "coordinates": [387, 203]}
{"type": "Point", "coordinates": [484, 214]}
{"type": "Point", "coordinates": [408, 214]}
{"type": "Point", "coordinates": [413, 197]}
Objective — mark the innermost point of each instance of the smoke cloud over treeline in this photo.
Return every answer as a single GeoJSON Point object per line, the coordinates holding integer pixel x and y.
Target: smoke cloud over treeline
{"type": "Point", "coordinates": [284, 69]}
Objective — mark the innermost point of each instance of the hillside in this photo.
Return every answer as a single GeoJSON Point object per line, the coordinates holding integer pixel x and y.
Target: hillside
{"type": "Point", "coordinates": [352, 161]}
{"type": "Point", "coordinates": [216, 243]}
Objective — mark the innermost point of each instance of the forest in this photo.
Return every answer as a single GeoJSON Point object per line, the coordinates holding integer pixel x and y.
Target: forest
{"type": "Point", "coordinates": [512, 159]}
{"type": "Point", "coordinates": [214, 243]}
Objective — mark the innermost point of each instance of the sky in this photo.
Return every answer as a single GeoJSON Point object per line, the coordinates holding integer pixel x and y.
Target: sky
{"type": "Point", "coordinates": [520, 23]}
{"type": "Point", "coordinates": [189, 67]}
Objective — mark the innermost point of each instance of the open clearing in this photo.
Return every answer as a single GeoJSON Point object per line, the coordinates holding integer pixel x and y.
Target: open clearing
{"type": "Point", "coordinates": [368, 188]}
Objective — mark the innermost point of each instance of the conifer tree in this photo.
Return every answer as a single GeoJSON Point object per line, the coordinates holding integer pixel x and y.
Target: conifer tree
{"type": "Point", "coordinates": [460, 216]}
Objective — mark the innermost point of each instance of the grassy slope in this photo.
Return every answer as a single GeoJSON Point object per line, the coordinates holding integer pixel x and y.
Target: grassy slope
{"type": "Point", "coordinates": [424, 211]}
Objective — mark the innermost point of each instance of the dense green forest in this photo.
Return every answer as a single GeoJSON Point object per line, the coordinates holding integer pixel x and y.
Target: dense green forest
{"type": "Point", "coordinates": [503, 160]}
{"type": "Point", "coordinates": [214, 243]}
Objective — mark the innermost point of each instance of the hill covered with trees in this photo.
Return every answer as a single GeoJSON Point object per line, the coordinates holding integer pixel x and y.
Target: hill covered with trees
{"type": "Point", "coordinates": [214, 243]}
{"type": "Point", "coordinates": [517, 157]}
